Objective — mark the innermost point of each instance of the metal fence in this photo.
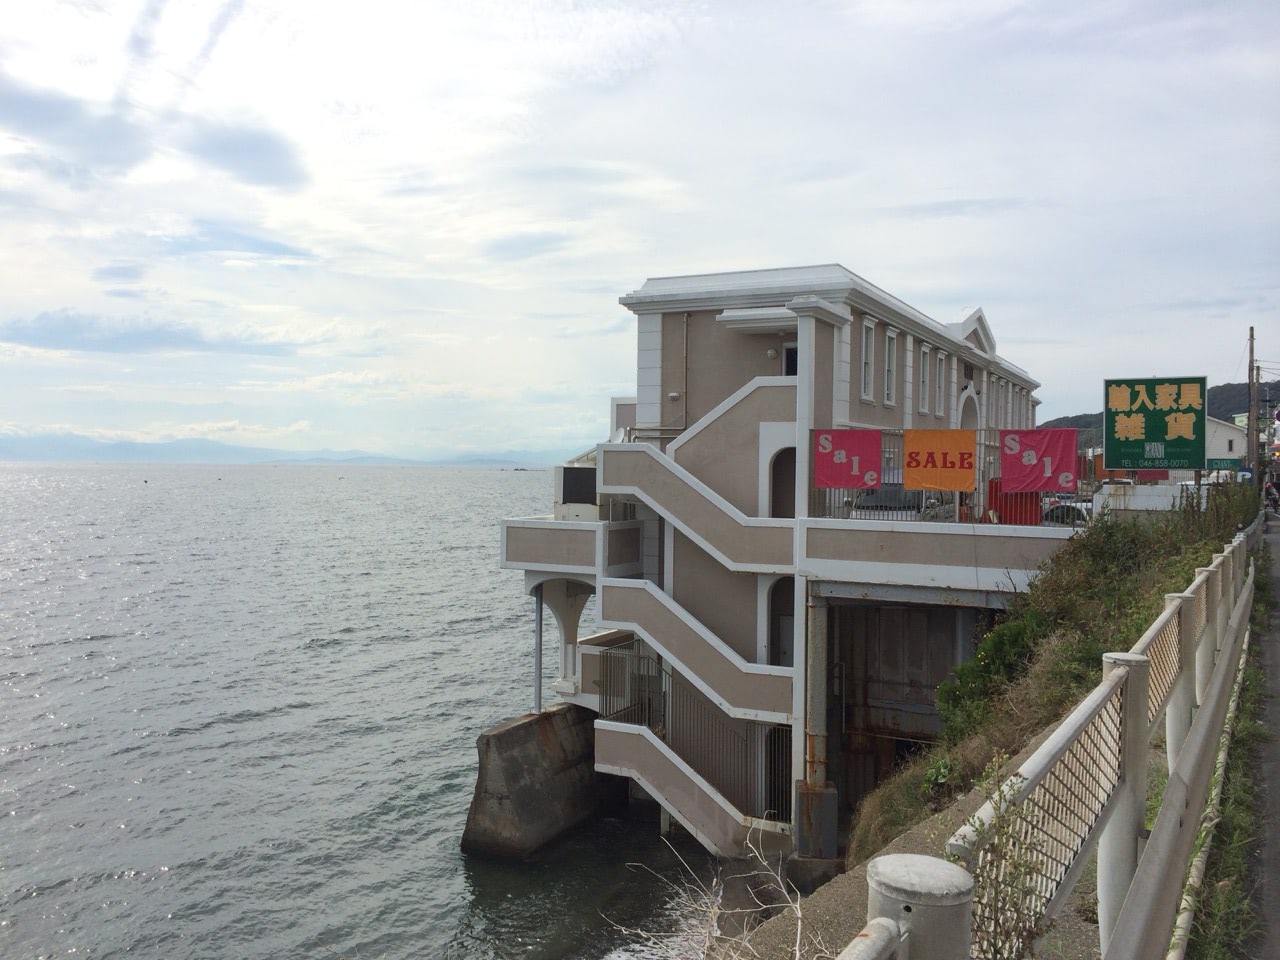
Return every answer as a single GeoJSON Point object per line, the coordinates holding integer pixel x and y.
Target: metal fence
{"type": "Point", "coordinates": [984, 504]}
{"type": "Point", "coordinates": [1085, 787]}
{"type": "Point", "coordinates": [747, 762]}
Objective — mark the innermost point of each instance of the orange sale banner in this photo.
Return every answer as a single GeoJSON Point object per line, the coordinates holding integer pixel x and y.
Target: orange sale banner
{"type": "Point", "coordinates": [939, 459]}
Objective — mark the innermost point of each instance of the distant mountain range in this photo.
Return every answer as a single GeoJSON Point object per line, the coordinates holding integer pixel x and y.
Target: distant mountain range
{"type": "Point", "coordinates": [1222, 402]}
{"type": "Point", "coordinates": [75, 448]}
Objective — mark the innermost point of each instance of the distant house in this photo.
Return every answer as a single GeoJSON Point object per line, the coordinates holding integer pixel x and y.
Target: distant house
{"type": "Point", "coordinates": [1226, 441]}
{"type": "Point", "coordinates": [766, 650]}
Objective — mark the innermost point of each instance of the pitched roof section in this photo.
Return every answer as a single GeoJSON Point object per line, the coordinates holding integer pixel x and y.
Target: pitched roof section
{"type": "Point", "coordinates": [975, 330]}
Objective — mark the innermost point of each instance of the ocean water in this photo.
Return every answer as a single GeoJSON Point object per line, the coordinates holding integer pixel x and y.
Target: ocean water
{"type": "Point", "coordinates": [238, 710]}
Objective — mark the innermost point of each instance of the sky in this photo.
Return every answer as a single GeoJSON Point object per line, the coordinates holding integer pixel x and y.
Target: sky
{"type": "Point", "coordinates": [403, 227]}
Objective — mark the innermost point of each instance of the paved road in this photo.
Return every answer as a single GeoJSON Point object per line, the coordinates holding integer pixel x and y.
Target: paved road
{"type": "Point", "coordinates": [1267, 945]}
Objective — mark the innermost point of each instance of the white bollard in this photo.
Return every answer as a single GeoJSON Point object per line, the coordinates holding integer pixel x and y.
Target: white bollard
{"type": "Point", "coordinates": [931, 899]}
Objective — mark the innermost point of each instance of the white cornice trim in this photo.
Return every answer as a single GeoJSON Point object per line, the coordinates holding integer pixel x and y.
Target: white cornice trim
{"type": "Point", "coordinates": [820, 309]}
{"type": "Point", "coordinates": [759, 320]}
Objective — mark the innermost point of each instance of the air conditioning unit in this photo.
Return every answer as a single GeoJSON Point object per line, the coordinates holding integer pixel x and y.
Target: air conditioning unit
{"type": "Point", "coordinates": [576, 493]}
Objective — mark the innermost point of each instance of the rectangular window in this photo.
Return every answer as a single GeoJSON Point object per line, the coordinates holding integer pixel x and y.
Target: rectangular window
{"type": "Point", "coordinates": [924, 379]}
{"type": "Point", "coordinates": [890, 366]}
{"type": "Point", "coordinates": [939, 381]}
{"type": "Point", "coordinates": [868, 357]}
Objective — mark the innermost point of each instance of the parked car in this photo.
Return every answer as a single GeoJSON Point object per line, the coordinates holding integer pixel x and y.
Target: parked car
{"type": "Point", "coordinates": [892, 498]}
{"type": "Point", "coordinates": [1067, 514]}
{"type": "Point", "coordinates": [1052, 499]}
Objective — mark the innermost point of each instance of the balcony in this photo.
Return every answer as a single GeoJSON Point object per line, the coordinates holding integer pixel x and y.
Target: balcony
{"type": "Point", "coordinates": [583, 549]}
{"type": "Point", "coordinates": [967, 546]}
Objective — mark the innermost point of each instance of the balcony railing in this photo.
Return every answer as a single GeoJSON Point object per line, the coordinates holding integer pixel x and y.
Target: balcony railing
{"type": "Point", "coordinates": [984, 504]}
{"type": "Point", "coordinates": [747, 762]}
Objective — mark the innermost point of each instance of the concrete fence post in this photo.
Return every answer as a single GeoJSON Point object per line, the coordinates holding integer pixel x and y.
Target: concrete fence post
{"type": "Point", "coordinates": [1182, 699]}
{"type": "Point", "coordinates": [1207, 642]}
{"type": "Point", "coordinates": [1229, 586]}
{"type": "Point", "coordinates": [1118, 844]}
{"type": "Point", "coordinates": [931, 900]}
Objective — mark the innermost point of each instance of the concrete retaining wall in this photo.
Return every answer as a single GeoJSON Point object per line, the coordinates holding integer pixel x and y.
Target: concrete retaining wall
{"type": "Point", "coordinates": [536, 780]}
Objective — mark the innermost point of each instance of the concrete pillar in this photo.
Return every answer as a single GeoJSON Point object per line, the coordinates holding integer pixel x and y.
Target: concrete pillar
{"type": "Point", "coordinates": [566, 600]}
{"type": "Point", "coordinates": [931, 900]}
{"type": "Point", "coordinates": [817, 814]}
{"type": "Point", "coordinates": [1118, 844]}
{"type": "Point", "coordinates": [1182, 699]}
{"type": "Point", "coordinates": [1207, 648]}
{"type": "Point", "coordinates": [537, 649]}
{"type": "Point", "coordinates": [815, 712]}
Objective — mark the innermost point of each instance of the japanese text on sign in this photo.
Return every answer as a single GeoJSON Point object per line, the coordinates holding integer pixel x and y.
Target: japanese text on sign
{"type": "Point", "coordinates": [1154, 424]}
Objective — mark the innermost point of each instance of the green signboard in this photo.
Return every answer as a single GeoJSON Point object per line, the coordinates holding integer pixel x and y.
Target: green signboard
{"type": "Point", "coordinates": [1227, 463]}
{"type": "Point", "coordinates": [1155, 424]}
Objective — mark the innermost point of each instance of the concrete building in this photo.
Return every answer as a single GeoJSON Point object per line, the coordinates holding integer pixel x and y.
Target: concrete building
{"type": "Point", "coordinates": [1226, 441]}
{"type": "Point", "coordinates": [765, 650]}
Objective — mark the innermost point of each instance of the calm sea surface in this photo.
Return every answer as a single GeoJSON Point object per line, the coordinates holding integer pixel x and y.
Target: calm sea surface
{"type": "Point", "coordinates": [238, 710]}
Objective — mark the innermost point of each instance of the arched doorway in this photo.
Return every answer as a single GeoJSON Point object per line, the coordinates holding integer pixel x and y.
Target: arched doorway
{"type": "Point", "coordinates": [782, 483]}
{"type": "Point", "coordinates": [782, 599]}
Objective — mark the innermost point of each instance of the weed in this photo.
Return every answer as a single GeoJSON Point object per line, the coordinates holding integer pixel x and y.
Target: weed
{"type": "Point", "coordinates": [1227, 916]}
{"type": "Point", "coordinates": [1007, 904]}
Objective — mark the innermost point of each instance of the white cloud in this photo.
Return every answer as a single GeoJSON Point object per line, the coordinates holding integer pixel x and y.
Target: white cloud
{"type": "Point", "coordinates": [408, 225]}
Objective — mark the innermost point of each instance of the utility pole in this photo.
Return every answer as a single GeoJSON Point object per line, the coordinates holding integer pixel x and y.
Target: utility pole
{"type": "Point", "coordinates": [1251, 422]}
{"type": "Point", "coordinates": [1260, 445]}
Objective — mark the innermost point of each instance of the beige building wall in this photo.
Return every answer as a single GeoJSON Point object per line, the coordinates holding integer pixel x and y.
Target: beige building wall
{"type": "Point", "coordinates": [724, 455]}
{"type": "Point", "coordinates": [928, 548]}
{"type": "Point", "coordinates": [709, 365]}
{"type": "Point", "coordinates": [543, 545]}
{"type": "Point", "coordinates": [824, 348]}
{"type": "Point", "coordinates": [722, 600]}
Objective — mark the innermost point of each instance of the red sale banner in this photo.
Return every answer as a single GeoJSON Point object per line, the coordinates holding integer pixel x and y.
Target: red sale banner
{"type": "Point", "coordinates": [1032, 460]}
{"type": "Point", "coordinates": [846, 459]}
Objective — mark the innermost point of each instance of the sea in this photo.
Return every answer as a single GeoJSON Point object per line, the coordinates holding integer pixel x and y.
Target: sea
{"type": "Point", "coordinates": [238, 712]}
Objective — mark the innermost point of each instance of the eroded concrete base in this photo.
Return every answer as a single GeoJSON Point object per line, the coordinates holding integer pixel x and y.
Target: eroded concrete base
{"type": "Point", "coordinates": [536, 780]}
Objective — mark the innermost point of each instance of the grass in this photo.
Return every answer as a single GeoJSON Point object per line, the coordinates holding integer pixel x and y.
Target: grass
{"type": "Point", "coordinates": [1227, 917]}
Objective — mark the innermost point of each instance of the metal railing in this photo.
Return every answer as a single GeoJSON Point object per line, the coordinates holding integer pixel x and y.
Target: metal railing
{"type": "Point", "coordinates": [1065, 791]}
{"type": "Point", "coordinates": [1085, 787]}
{"type": "Point", "coordinates": [891, 501]}
{"type": "Point", "coordinates": [747, 762]}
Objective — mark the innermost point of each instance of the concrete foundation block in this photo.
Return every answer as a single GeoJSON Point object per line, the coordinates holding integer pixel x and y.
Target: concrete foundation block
{"type": "Point", "coordinates": [536, 780]}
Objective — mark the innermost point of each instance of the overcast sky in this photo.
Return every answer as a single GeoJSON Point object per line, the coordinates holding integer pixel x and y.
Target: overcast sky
{"type": "Point", "coordinates": [404, 226]}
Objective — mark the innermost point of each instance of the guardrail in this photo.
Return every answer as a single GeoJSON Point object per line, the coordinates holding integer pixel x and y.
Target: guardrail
{"type": "Point", "coordinates": [1084, 789]}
